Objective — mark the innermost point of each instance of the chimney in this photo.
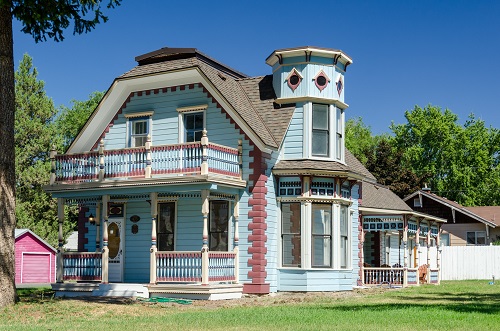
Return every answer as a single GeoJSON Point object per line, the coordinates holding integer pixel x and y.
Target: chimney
{"type": "Point", "coordinates": [426, 189]}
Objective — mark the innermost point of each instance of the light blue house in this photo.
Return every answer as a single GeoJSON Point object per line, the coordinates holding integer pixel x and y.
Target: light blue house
{"type": "Point", "coordinates": [195, 180]}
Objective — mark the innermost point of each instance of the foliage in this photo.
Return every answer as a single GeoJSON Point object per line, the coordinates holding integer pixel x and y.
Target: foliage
{"type": "Point", "coordinates": [71, 120]}
{"type": "Point", "coordinates": [453, 305]}
{"type": "Point", "coordinates": [359, 139]}
{"type": "Point", "coordinates": [462, 161]}
{"type": "Point", "coordinates": [34, 132]}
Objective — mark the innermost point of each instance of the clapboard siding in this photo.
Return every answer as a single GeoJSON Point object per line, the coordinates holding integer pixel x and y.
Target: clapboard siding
{"type": "Point", "coordinates": [294, 137]}
{"type": "Point", "coordinates": [314, 280]}
{"type": "Point", "coordinates": [137, 246]}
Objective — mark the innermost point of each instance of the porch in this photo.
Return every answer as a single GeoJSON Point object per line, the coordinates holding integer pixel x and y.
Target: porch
{"type": "Point", "coordinates": [396, 250]}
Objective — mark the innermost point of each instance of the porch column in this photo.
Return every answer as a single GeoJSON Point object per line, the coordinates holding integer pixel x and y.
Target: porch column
{"type": "Point", "coordinates": [105, 249]}
{"type": "Point", "coordinates": [204, 153]}
{"type": "Point", "coordinates": [405, 251]}
{"type": "Point", "coordinates": [428, 242]}
{"type": "Point", "coordinates": [60, 249]}
{"type": "Point", "coordinates": [153, 196]}
{"type": "Point", "coordinates": [236, 215]}
{"type": "Point", "coordinates": [101, 162]}
{"type": "Point", "coordinates": [204, 249]}
{"type": "Point", "coordinates": [53, 154]}
{"type": "Point", "coordinates": [438, 257]}
{"type": "Point", "coordinates": [417, 253]}
{"type": "Point", "coordinates": [97, 227]}
{"type": "Point", "coordinates": [361, 250]}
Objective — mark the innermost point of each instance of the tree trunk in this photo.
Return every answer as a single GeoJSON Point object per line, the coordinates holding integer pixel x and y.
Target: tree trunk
{"type": "Point", "coordinates": [7, 159]}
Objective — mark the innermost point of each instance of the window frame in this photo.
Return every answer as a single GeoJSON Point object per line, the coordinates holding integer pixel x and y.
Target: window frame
{"type": "Point", "coordinates": [227, 230]}
{"type": "Point", "coordinates": [174, 232]}
{"type": "Point", "coordinates": [183, 131]}
{"type": "Point", "coordinates": [292, 236]}
{"type": "Point", "coordinates": [327, 254]}
{"type": "Point", "coordinates": [131, 121]}
{"type": "Point", "coordinates": [321, 130]}
{"type": "Point", "coordinates": [475, 238]}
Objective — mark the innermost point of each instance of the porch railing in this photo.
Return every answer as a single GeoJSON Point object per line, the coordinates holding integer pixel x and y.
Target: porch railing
{"type": "Point", "coordinates": [144, 162]}
{"type": "Point", "coordinates": [412, 276]}
{"type": "Point", "coordinates": [379, 276]}
{"type": "Point", "coordinates": [186, 267]}
{"type": "Point", "coordinates": [82, 266]}
{"type": "Point", "coordinates": [434, 276]}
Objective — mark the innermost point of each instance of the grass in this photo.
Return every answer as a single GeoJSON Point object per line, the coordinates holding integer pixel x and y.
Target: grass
{"type": "Point", "coordinates": [464, 305]}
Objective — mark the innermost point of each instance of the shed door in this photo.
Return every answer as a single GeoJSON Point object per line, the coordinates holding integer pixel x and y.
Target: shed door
{"type": "Point", "coordinates": [35, 268]}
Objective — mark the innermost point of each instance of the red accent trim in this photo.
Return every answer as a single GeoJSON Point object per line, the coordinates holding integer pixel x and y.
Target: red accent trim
{"type": "Point", "coordinates": [82, 229]}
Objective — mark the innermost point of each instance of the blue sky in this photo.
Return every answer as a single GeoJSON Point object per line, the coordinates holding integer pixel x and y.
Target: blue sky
{"type": "Point", "coordinates": [405, 53]}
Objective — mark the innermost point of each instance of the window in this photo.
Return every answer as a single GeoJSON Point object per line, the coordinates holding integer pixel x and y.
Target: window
{"type": "Point", "coordinates": [166, 227]}
{"type": "Point", "coordinates": [344, 237]}
{"type": "Point", "coordinates": [290, 234]}
{"type": "Point", "coordinates": [445, 239]}
{"type": "Point", "coordinates": [416, 202]}
{"type": "Point", "coordinates": [139, 130]}
{"type": "Point", "coordinates": [193, 126]}
{"type": "Point", "coordinates": [476, 238]}
{"type": "Point", "coordinates": [340, 142]}
{"type": "Point", "coordinates": [320, 130]}
{"type": "Point", "coordinates": [321, 222]}
{"type": "Point", "coordinates": [217, 230]}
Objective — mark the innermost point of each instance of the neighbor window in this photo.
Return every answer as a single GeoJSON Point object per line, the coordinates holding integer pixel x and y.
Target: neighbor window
{"type": "Point", "coordinates": [218, 220]}
{"type": "Point", "coordinates": [166, 226]}
{"type": "Point", "coordinates": [193, 126]}
{"type": "Point", "coordinates": [290, 234]}
{"type": "Point", "coordinates": [139, 130]}
{"type": "Point", "coordinates": [321, 222]}
{"type": "Point", "coordinates": [476, 238]}
{"type": "Point", "coordinates": [320, 130]}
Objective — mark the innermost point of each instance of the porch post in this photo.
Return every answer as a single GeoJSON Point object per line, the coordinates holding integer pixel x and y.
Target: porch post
{"type": "Point", "coordinates": [428, 242]}
{"type": "Point", "coordinates": [236, 215]}
{"type": "Point", "coordinates": [153, 196]}
{"type": "Point", "coordinates": [53, 154]}
{"type": "Point", "coordinates": [101, 162]}
{"type": "Point", "coordinates": [361, 252]}
{"type": "Point", "coordinates": [148, 158]}
{"type": "Point", "coordinates": [405, 251]}
{"type": "Point", "coordinates": [240, 157]}
{"type": "Point", "coordinates": [438, 257]}
{"type": "Point", "coordinates": [98, 227]}
{"type": "Point", "coordinates": [60, 249]}
{"type": "Point", "coordinates": [105, 249]}
{"type": "Point", "coordinates": [417, 253]}
{"type": "Point", "coordinates": [204, 153]}
{"type": "Point", "coordinates": [204, 249]}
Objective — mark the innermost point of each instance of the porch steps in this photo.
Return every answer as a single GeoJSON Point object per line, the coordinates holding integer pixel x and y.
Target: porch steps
{"type": "Point", "coordinates": [121, 290]}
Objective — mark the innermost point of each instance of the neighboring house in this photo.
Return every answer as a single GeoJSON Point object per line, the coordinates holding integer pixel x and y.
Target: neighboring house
{"type": "Point", "coordinates": [189, 172]}
{"type": "Point", "coordinates": [35, 258]}
{"type": "Point", "coordinates": [72, 242]}
{"type": "Point", "coordinates": [465, 225]}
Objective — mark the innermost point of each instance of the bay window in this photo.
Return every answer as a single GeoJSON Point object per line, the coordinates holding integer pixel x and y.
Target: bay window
{"type": "Point", "coordinates": [320, 130]}
{"type": "Point", "coordinates": [290, 234]}
{"type": "Point", "coordinates": [321, 221]}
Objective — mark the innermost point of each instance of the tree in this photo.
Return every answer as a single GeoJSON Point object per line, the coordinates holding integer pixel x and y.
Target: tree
{"type": "Point", "coordinates": [41, 21]}
{"type": "Point", "coordinates": [462, 161]}
{"type": "Point", "coordinates": [72, 120]}
{"type": "Point", "coordinates": [34, 133]}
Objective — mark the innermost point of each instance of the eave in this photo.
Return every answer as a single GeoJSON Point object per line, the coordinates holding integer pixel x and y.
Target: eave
{"type": "Point", "coordinates": [381, 211]}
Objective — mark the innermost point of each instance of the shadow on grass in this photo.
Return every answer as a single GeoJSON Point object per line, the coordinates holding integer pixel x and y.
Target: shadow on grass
{"type": "Point", "coordinates": [47, 295]}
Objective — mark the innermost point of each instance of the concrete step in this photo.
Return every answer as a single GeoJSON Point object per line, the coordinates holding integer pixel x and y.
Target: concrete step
{"type": "Point", "coordinates": [121, 290]}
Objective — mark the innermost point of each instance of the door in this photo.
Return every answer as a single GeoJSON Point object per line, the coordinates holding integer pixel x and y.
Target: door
{"type": "Point", "coordinates": [35, 268]}
{"type": "Point", "coordinates": [116, 236]}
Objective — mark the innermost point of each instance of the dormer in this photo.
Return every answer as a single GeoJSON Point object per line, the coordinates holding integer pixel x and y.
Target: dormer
{"type": "Point", "coordinates": [313, 79]}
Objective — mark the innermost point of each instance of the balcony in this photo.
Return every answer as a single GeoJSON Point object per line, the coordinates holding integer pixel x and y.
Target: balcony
{"type": "Point", "coordinates": [198, 158]}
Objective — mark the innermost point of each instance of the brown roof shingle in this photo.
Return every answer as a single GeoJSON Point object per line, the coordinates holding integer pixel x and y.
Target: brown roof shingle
{"type": "Point", "coordinates": [378, 196]}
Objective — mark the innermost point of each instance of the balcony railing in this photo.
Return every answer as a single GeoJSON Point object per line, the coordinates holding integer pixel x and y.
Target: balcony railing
{"type": "Point", "coordinates": [148, 161]}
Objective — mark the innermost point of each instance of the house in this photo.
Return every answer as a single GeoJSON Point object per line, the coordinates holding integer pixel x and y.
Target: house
{"type": "Point", "coordinates": [196, 180]}
{"type": "Point", "coordinates": [35, 258]}
{"type": "Point", "coordinates": [465, 225]}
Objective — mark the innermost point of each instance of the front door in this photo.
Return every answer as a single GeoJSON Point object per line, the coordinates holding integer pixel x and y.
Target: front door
{"type": "Point", "coordinates": [115, 245]}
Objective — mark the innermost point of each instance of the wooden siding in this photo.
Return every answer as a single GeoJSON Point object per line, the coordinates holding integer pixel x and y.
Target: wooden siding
{"type": "Point", "coordinates": [458, 232]}
{"type": "Point", "coordinates": [354, 253]}
{"type": "Point", "coordinates": [299, 280]}
{"type": "Point", "coordinates": [165, 120]}
{"type": "Point", "coordinates": [28, 244]}
{"type": "Point", "coordinates": [294, 137]}
{"type": "Point", "coordinates": [273, 236]}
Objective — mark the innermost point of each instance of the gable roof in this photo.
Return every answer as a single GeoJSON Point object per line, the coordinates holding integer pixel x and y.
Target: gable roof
{"type": "Point", "coordinates": [454, 206]}
{"type": "Point", "coordinates": [250, 100]}
{"type": "Point", "coordinates": [19, 232]}
{"type": "Point", "coordinates": [379, 196]}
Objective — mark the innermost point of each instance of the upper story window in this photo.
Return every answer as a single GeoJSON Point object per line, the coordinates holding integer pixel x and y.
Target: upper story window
{"type": "Point", "coordinates": [340, 134]}
{"type": "Point", "coordinates": [320, 130]}
{"type": "Point", "coordinates": [139, 131]}
{"type": "Point", "coordinates": [193, 126]}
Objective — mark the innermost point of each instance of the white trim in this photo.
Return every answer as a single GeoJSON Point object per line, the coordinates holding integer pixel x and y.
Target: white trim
{"type": "Point", "coordinates": [142, 114]}
{"type": "Point", "coordinates": [192, 108]}
{"type": "Point", "coordinates": [182, 128]}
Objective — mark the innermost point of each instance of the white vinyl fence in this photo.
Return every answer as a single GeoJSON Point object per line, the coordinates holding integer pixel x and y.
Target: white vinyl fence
{"type": "Point", "coordinates": [466, 262]}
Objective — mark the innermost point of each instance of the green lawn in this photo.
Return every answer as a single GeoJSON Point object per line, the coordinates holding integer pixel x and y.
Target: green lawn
{"type": "Point", "coordinates": [465, 305]}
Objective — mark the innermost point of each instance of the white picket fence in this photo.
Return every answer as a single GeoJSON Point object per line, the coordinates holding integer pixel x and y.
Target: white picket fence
{"type": "Point", "coordinates": [466, 262]}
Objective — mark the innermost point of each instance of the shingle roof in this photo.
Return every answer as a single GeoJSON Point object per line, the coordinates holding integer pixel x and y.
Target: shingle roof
{"type": "Point", "coordinates": [378, 196]}
{"type": "Point", "coordinates": [233, 90]}
{"type": "Point", "coordinates": [490, 213]}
